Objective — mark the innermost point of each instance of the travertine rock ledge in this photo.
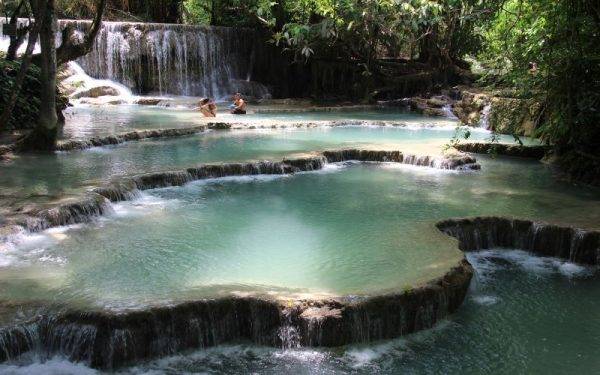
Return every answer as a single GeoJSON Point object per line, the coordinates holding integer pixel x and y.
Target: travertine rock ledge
{"type": "Point", "coordinates": [108, 340]}
{"type": "Point", "coordinates": [535, 152]}
{"type": "Point", "coordinates": [97, 201]}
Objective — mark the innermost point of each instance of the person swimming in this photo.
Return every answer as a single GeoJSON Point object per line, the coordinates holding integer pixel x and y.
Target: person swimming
{"type": "Point", "coordinates": [239, 105]}
{"type": "Point", "coordinates": [208, 108]}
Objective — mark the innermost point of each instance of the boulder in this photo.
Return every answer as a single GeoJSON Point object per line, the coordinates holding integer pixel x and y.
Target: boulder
{"type": "Point", "coordinates": [148, 101]}
{"type": "Point", "coordinates": [514, 116]}
{"type": "Point", "coordinates": [468, 108]}
{"type": "Point", "coordinates": [96, 92]}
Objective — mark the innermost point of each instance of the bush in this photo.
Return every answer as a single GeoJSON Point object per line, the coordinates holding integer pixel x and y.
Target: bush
{"type": "Point", "coordinates": [25, 112]}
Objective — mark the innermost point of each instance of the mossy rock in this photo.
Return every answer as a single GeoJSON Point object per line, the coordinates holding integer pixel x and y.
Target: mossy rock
{"type": "Point", "coordinates": [514, 116]}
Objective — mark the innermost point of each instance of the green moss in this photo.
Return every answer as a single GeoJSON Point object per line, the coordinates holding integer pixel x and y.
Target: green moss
{"type": "Point", "coordinates": [407, 289]}
{"type": "Point", "coordinates": [514, 116]}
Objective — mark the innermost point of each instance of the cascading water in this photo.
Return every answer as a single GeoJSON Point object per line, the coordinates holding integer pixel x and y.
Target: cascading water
{"type": "Point", "coordinates": [448, 112]}
{"type": "Point", "coordinates": [174, 59]}
{"type": "Point", "coordinates": [167, 59]}
{"type": "Point", "coordinates": [484, 121]}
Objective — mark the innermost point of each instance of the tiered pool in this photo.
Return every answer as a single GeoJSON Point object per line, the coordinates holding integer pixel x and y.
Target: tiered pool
{"type": "Point", "coordinates": [84, 121]}
{"type": "Point", "coordinates": [350, 229]}
{"type": "Point", "coordinates": [43, 178]}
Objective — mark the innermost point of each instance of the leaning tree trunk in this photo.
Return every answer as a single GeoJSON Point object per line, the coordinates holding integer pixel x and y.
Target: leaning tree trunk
{"type": "Point", "coordinates": [43, 136]}
{"type": "Point", "coordinates": [25, 62]}
{"type": "Point", "coordinates": [70, 48]}
{"type": "Point", "coordinates": [17, 39]}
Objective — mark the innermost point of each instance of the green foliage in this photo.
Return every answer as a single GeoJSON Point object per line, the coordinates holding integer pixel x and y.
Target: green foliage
{"type": "Point", "coordinates": [551, 50]}
{"type": "Point", "coordinates": [356, 29]}
{"type": "Point", "coordinates": [123, 10]}
{"type": "Point", "coordinates": [26, 108]}
{"type": "Point", "coordinates": [228, 12]}
{"type": "Point", "coordinates": [25, 112]}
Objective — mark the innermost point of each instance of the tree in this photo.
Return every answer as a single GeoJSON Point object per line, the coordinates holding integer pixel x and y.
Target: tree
{"type": "Point", "coordinates": [34, 30]}
{"type": "Point", "coordinates": [43, 136]}
{"type": "Point", "coordinates": [20, 31]}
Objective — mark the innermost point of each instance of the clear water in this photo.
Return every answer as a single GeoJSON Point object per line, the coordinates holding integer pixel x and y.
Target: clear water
{"type": "Point", "coordinates": [85, 121]}
{"type": "Point", "coordinates": [346, 230]}
{"type": "Point", "coordinates": [523, 315]}
{"type": "Point", "coordinates": [43, 177]}
{"type": "Point", "coordinates": [354, 229]}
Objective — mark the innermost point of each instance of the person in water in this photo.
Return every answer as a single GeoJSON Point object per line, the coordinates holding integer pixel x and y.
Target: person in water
{"type": "Point", "coordinates": [208, 108]}
{"type": "Point", "coordinates": [239, 105]}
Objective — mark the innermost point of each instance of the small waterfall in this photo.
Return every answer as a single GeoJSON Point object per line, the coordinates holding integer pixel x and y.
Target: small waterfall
{"type": "Point", "coordinates": [447, 109]}
{"type": "Point", "coordinates": [84, 83]}
{"type": "Point", "coordinates": [174, 59]}
{"type": "Point", "coordinates": [571, 244]}
{"type": "Point", "coordinates": [78, 211]}
{"type": "Point", "coordinates": [484, 120]}
{"type": "Point", "coordinates": [288, 333]}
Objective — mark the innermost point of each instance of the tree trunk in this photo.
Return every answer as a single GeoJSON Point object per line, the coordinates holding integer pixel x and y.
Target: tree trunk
{"type": "Point", "coordinates": [43, 136]}
{"type": "Point", "coordinates": [25, 62]}
{"type": "Point", "coordinates": [17, 39]}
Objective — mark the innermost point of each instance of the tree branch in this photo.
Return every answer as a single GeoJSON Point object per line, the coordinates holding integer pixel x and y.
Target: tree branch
{"type": "Point", "coordinates": [25, 62]}
{"type": "Point", "coordinates": [17, 39]}
{"type": "Point", "coordinates": [69, 49]}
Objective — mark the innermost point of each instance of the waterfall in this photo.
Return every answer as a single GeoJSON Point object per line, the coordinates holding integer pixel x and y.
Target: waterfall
{"type": "Point", "coordinates": [484, 120]}
{"type": "Point", "coordinates": [447, 109]}
{"type": "Point", "coordinates": [571, 244]}
{"type": "Point", "coordinates": [168, 59]}
{"type": "Point", "coordinates": [174, 59]}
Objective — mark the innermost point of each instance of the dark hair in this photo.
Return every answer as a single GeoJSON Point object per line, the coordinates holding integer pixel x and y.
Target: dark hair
{"type": "Point", "coordinates": [204, 100]}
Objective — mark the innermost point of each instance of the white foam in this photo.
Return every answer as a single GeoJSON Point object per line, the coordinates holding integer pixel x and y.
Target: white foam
{"type": "Point", "coordinates": [53, 366]}
{"type": "Point", "coordinates": [332, 167]}
{"type": "Point", "coordinates": [24, 247]}
{"type": "Point", "coordinates": [365, 356]}
{"type": "Point", "coordinates": [302, 355]}
{"type": "Point", "coordinates": [237, 179]}
{"type": "Point", "coordinates": [82, 78]}
{"type": "Point", "coordinates": [573, 270]}
{"type": "Point", "coordinates": [143, 204]}
{"type": "Point", "coordinates": [419, 169]}
{"type": "Point", "coordinates": [484, 264]}
{"type": "Point", "coordinates": [485, 300]}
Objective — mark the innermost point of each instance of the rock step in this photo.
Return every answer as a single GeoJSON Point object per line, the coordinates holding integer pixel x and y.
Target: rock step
{"type": "Point", "coordinates": [536, 152]}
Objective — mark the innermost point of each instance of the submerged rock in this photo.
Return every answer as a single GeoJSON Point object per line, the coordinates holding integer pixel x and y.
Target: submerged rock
{"type": "Point", "coordinates": [96, 92]}
{"type": "Point", "coordinates": [149, 101]}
